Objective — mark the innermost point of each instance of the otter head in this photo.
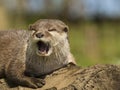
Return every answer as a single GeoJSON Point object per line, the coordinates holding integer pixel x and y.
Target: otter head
{"type": "Point", "coordinates": [48, 34]}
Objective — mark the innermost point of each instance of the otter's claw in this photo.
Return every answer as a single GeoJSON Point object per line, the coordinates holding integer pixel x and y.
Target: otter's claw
{"type": "Point", "coordinates": [38, 83]}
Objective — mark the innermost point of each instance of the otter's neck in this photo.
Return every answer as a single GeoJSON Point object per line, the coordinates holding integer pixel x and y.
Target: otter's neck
{"type": "Point", "coordinates": [46, 64]}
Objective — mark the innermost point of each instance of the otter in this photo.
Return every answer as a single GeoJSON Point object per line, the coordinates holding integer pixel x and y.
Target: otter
{"type": "Point", "coordinates": [25, 55]}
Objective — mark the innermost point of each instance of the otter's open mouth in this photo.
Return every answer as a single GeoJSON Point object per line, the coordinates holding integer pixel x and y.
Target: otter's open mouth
{"type": "Point", "coordinates": [43, 47]}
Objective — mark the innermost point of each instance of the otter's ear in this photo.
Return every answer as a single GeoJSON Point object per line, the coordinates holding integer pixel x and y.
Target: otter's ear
{"type": "Point", "coordinates": [31, 28]}
{"type": "Point", "coordinates": [66, 29]}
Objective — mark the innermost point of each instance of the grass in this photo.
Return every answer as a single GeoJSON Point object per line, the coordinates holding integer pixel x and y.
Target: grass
{"type": "Point", "coordinates": [93, 44]}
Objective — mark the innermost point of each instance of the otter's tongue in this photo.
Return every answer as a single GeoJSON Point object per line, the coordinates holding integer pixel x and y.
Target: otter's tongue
{"type": "Point", "coordinates": [43, 47]}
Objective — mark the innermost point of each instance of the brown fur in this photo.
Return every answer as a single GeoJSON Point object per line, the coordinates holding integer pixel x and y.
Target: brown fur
{"type": "Point", "coordinates": [19, 52]}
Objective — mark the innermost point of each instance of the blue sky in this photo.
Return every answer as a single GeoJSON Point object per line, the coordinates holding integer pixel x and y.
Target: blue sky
{"type": "Point", "coordinates": [105, 7]}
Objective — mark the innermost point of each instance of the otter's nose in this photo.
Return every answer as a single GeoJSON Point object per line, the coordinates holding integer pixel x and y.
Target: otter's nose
{"type": "Point", "coordinates": [39, 35]}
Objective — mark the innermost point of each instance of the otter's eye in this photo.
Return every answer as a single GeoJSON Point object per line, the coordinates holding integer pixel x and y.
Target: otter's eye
{"type": "Point", "coordinates": [65, 29]}
{"type": "Point", "coordinates": [52, 30]}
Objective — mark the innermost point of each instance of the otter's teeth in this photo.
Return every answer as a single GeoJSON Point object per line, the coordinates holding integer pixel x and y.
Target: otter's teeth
{"type": "Point", "coordinates": [43, 47]}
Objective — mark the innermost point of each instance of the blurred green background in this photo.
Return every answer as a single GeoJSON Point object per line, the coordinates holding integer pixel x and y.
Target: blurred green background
{"type": "Point", "coordinates": [94, 25]}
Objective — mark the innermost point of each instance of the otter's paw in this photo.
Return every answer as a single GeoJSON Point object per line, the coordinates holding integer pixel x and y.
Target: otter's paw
{"type": "Point", "coordinates": [37, 83]}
